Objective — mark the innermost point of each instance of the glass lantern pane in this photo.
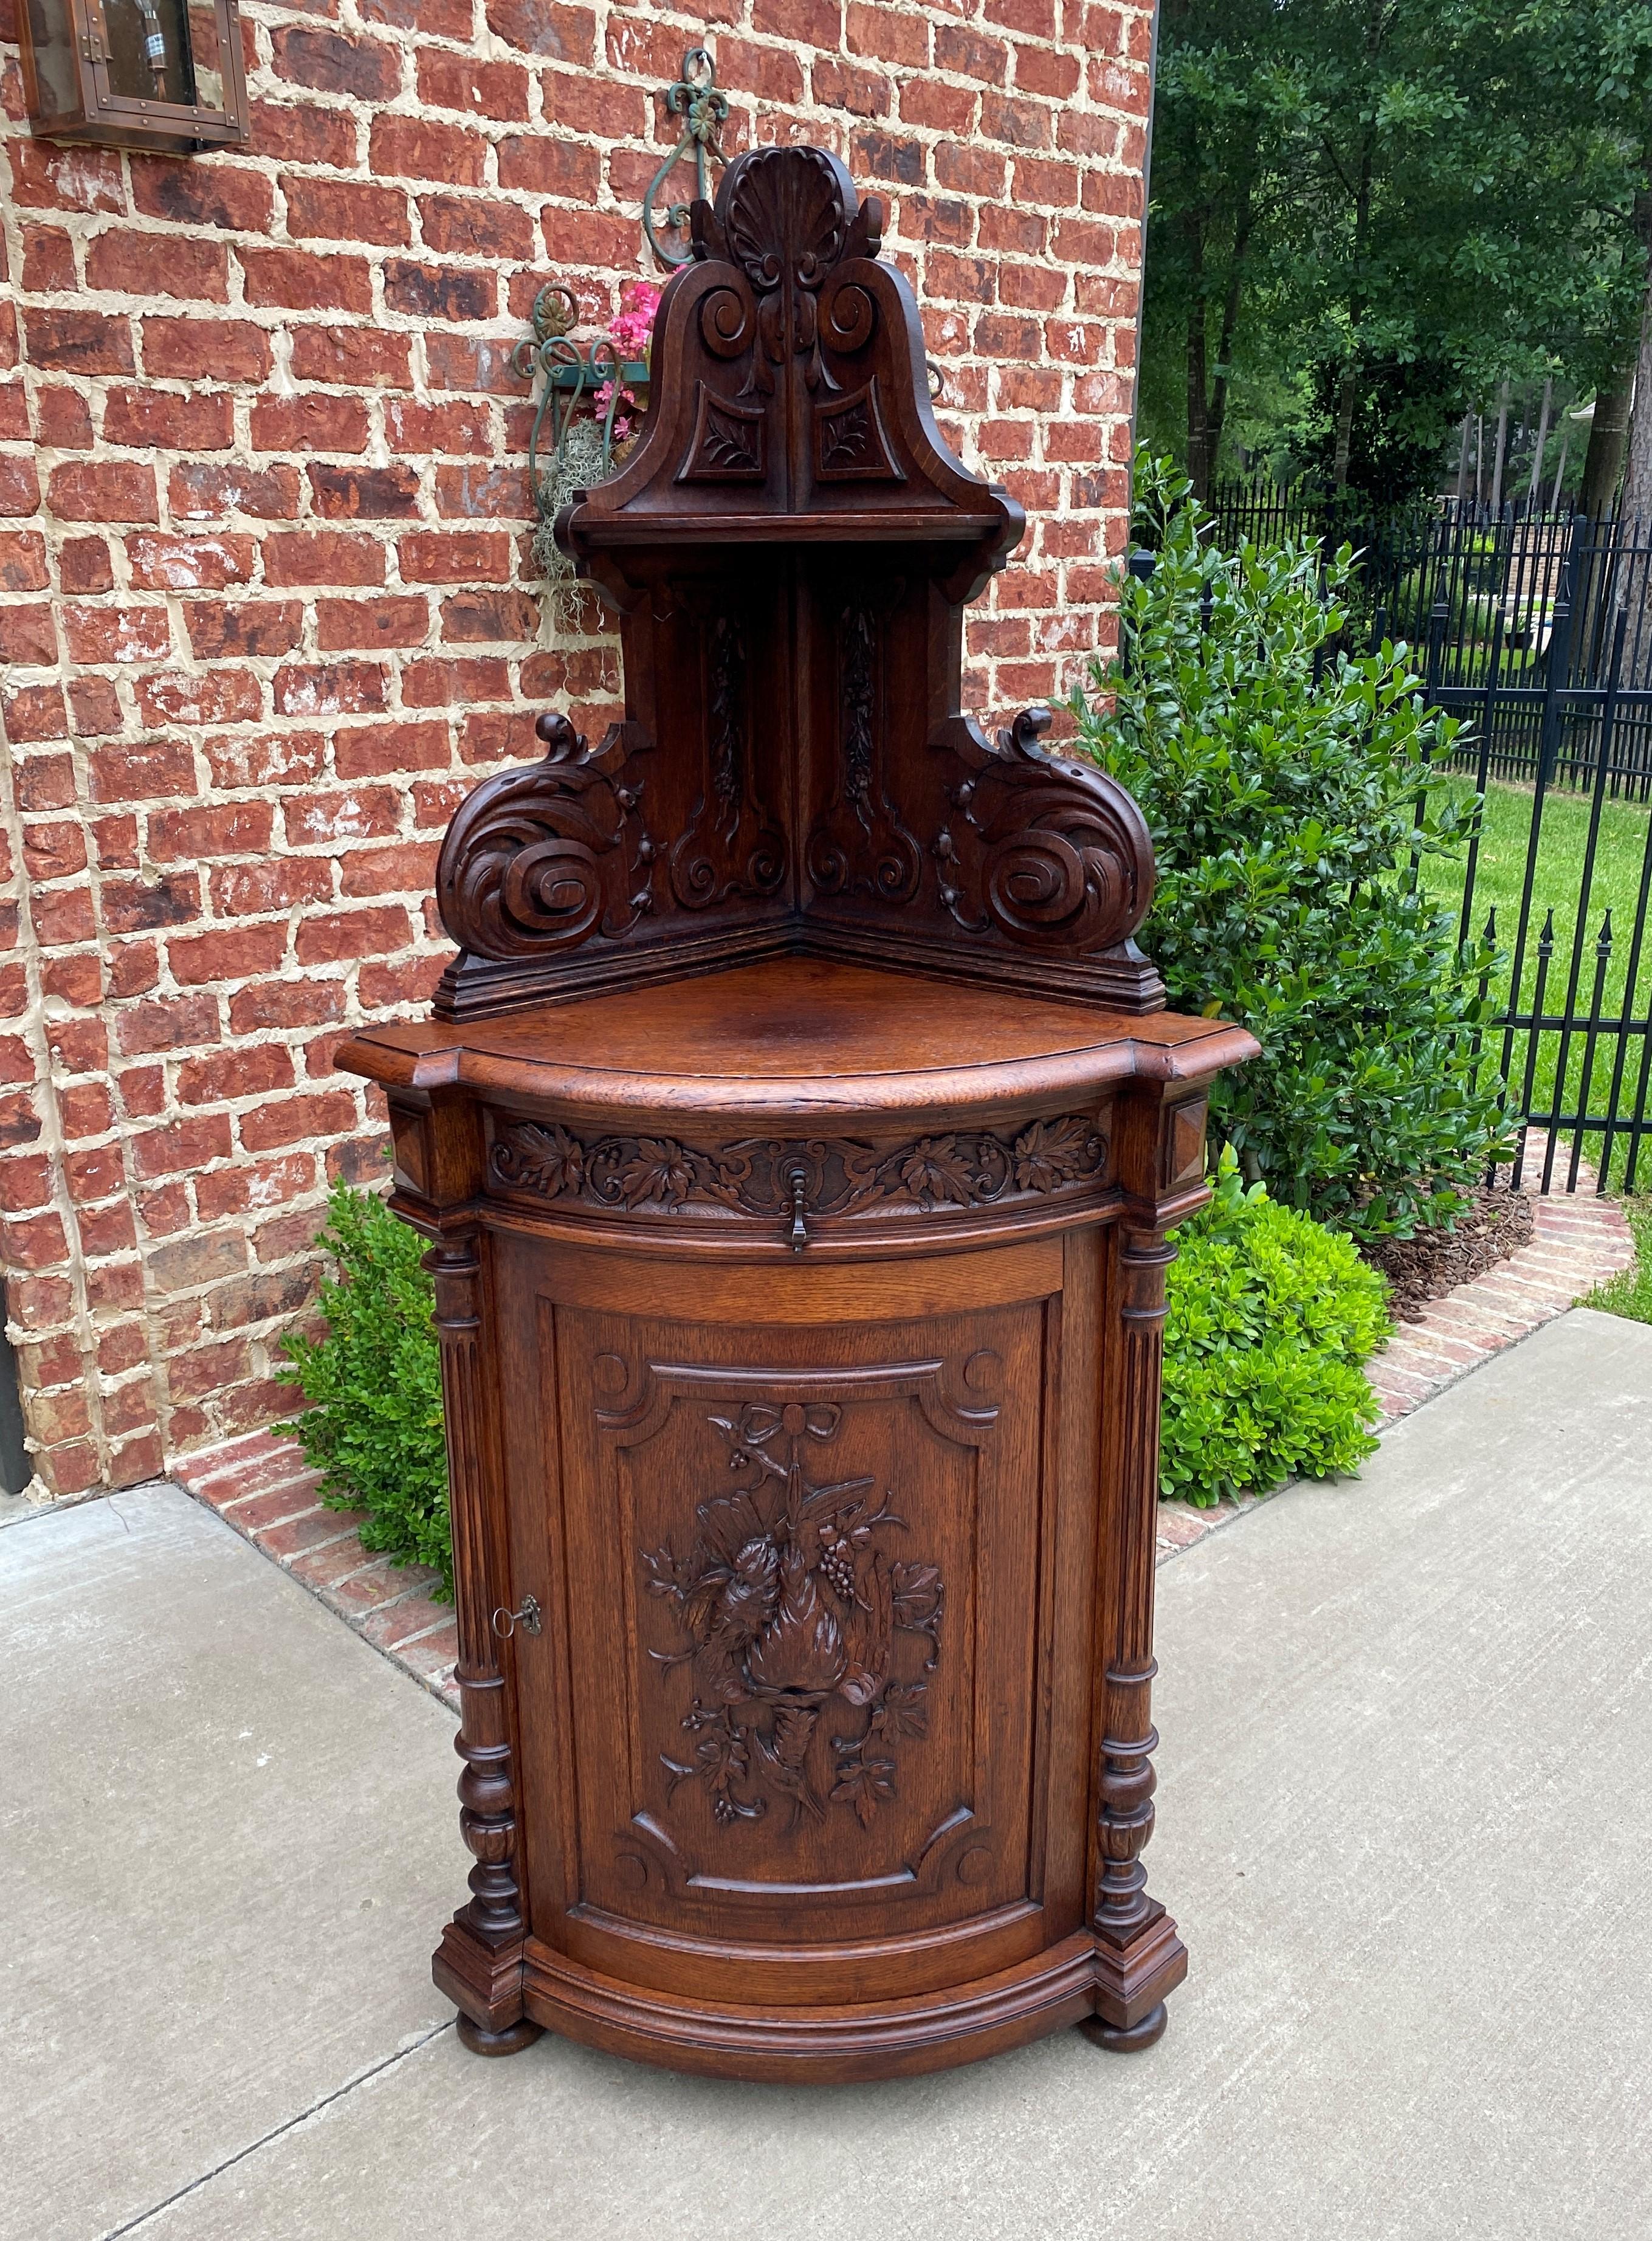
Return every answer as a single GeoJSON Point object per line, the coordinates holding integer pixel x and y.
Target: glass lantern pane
{"type": "Point", "coordinates": [148, 50]}
{"type": "Point", "coordinates": [204, 48]}
{"type": "Point", "coordinates": [51, 37]}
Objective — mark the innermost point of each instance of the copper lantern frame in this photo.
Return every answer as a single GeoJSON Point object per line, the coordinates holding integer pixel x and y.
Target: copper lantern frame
{"type": "Point", "coordinates": [73, 93]}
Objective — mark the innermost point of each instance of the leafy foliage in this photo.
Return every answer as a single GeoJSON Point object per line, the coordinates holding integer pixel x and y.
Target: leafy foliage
{"type": "Point", "coordinates": [1367, 213]}
{"type": "Point", "coordinates": [374, 1425]}
{"type": "Point", "coordinates": [1270, 1319]}
{"type": "Point", "coordinates": [1284, 808]}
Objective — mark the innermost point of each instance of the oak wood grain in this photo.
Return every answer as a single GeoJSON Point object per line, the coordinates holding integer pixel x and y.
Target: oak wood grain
{"type": "Point", "coordinates": [800, 1139]}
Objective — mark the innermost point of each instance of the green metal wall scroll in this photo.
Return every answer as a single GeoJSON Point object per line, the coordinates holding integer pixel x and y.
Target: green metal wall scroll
{"type": "Point", "coordinates": [575, 374]}
{"type": "Point", "coordinates": [704, 111]}
{"type": "Point", "coordinates": [590, 391]}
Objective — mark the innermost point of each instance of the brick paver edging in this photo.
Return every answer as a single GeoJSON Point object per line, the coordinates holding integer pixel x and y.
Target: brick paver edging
{"type": "Point", "coordinates": [262, 1485]}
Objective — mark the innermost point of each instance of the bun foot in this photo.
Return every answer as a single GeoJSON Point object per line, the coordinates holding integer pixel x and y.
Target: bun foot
{"type": "Point", "coordinates": [510, 2040]}
{"type": "Point", "coordinates": [1119, 2038]}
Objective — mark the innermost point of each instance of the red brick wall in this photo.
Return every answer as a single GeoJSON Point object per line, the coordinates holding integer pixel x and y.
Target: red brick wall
{"type": "Point", "coordinates": [270, 608]}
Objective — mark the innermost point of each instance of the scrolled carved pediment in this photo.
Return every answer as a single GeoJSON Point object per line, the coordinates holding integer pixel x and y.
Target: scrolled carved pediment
{"type": "Point", "coordinates": [1048, 853]}
{"type": "Point", "coordinates": [539, 861]}
{"type": "Point", "coordinates": [788, 373]}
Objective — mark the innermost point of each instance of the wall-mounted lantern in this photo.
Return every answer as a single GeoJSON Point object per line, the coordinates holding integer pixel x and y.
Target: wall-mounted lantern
{"type": "Point", "coordinates": [135, 73]}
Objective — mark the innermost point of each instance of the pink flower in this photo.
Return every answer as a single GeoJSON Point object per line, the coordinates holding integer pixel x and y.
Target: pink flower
{"type": "Point", "coordinates": [600, 398]}
{"type": "Point", "coordinates": [634, 325]}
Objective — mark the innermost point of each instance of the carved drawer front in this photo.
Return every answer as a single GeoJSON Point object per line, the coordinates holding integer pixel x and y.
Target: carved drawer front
{"type": "Point", "coordinates": [800, 1602]}
{"type": "Point", "coordinates": [775, 1185]}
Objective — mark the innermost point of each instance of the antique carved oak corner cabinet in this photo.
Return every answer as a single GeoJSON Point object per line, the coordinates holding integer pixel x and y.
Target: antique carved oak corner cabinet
{"type": "Point", "coordinates": [797, 1130]}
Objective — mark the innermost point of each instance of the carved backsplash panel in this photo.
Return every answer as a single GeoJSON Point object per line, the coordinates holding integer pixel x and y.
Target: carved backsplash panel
{"type": "Point", "coordinates": [823, 1557]}
{"type": "Point", "coordinates": [789, 550]}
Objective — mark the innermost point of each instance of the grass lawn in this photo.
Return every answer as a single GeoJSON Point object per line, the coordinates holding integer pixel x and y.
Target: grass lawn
{"type": "Point", "coordinates": [1630, 1293]}
{"type": "Point", "coordinates": [1621, 855]}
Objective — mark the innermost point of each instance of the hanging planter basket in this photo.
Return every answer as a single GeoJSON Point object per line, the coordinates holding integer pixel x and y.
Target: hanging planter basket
{"type": "Point", "coordinates": [585, 422]}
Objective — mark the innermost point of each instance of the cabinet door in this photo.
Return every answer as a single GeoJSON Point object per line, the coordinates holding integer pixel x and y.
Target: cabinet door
{"type": "Point", "coordinates": [798, 1569]}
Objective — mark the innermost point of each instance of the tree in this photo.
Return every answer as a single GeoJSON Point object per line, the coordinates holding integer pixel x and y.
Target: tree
{"type": "Point", "coordinates": [1407, 202]}
{"type": "Point", "coordinates": [1218, 127]}
{"type": "Point", "coordinates": [1622, 427]}
{"type": "Point", "coordinates": [1596, 56]}
{"type": "Point", "coordinates": [1404, 409]}
{"type": "Point", "coordinates": [1637, 482]}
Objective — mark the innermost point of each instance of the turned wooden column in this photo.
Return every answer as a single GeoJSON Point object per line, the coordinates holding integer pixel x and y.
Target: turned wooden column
{"type": "Point", "coordinates": [484, 1943]}
{"type": "Point", "coordinates": [1161, 1156]}
{"type": "Point", "coordinates": [1124, 1916]}
{"type": "Point", "coordinates": [1122, 1907]}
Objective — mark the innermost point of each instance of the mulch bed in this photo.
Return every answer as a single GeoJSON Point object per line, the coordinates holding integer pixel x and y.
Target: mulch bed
{"type": "Point", "coordinates": [1496, 1222]}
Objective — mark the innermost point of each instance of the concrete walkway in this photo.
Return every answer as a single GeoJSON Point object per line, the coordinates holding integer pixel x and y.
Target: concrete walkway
{"type": "Point", "coordinates": [1406, 1831]}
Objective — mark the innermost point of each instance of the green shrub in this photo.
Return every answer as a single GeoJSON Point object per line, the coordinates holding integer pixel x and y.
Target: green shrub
{"type": "Point", "coordinates": [374, 1425]}
{"type": "Point", "coordinates": [1283, 808]}
{"type": "Point", "coordinates": [1270, 1318]}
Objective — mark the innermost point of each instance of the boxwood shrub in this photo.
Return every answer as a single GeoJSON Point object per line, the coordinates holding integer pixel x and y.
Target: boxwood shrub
{"type": "Point", "coordinates": [1271, 1317]}
{"type": "Point", "coordinates": [374, 1384]}
{"type": "Point", "coordinates": [1290, 790]}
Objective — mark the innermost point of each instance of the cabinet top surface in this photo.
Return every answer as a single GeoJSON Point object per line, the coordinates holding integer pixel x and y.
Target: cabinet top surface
{"type": "Point", "coordinates": [797, 1034]}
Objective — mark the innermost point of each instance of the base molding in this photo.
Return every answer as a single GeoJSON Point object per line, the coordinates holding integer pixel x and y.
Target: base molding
{"type": "Point", "coordinates": [1068, 1983]}
{"type": "Point", "coordinates": [484, 1982]}
{"type": "Point", "coordinates": [1132, 1979]}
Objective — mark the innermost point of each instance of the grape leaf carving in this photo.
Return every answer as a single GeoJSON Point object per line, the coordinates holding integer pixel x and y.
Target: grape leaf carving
{"type": "Point", "coordinates": [935, 1172]}
{"type": "Point", "coordinates": [1051, 1152]}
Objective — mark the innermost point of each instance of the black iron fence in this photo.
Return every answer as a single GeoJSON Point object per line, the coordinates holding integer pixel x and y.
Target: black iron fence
{"type": "Point", "coordinates": [1536, 630]}
{"type": "Point", "coordinates": [1555, 675]}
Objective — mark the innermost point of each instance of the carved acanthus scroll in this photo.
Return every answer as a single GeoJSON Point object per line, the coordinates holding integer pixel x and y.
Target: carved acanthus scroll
{"type": "Point", "coordinates": [542, 859]}
{"type": "Point", "coordinates": [1051, 854]}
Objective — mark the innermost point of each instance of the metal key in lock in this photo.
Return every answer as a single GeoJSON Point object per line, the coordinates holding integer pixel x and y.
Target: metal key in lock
{"type": "Point", "coordinates": [529, 1618]}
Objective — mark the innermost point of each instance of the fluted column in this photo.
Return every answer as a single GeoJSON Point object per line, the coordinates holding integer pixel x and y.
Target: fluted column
{"type": "Point", "coordinates": [1122, 1908]}
{"type": "Point", "coordinates": [487, 1816]}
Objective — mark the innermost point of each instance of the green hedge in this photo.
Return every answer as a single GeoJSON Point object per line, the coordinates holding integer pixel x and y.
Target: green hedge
{"type": "Point", "coordinates": [1290, 790]}
{"type": "Point", "coordinates": [374, 1383]}
{"type": "Point", "coordinates": [1270, 1319]}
